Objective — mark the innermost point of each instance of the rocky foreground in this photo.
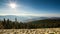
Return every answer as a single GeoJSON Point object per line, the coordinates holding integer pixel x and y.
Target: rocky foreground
{"type": "Point", "coordinates": [31, 31]}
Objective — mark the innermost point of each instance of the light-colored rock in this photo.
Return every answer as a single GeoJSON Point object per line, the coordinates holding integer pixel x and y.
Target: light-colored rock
{"type": "Point", "coordinates": [31, 31]}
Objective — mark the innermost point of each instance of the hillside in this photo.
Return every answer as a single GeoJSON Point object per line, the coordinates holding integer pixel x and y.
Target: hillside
{"type": "Point", "coordinates": [50, 20]}
{"type": "Point", "coordinates": [46, 23]}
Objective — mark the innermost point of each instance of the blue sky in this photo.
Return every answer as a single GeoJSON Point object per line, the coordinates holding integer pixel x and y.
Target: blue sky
{"type": "Point", "coordinates": [31, 7]}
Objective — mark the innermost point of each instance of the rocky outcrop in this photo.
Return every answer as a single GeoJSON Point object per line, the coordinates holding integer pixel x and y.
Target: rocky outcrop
{"type": "Point", "coordinates": [31, 31]}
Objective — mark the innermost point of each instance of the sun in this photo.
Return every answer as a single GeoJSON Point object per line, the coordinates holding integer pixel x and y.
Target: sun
{"type": "Point", "coordinates": [12, 5]}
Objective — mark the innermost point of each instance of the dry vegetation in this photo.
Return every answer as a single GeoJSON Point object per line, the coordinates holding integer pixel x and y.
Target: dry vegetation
{"type": "Point", "coordinates": [31, 31]}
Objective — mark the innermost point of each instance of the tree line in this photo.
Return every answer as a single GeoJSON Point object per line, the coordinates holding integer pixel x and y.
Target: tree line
{"type": "Point", "coordinates": [8, 24]}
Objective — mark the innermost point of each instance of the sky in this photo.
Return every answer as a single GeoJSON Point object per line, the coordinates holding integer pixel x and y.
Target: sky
{"type": "Point", "coordinates": [31, 8]}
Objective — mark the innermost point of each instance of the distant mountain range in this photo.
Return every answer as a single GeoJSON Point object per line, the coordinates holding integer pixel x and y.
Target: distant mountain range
{"type": "Point", "coordinates": [25, 18]}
